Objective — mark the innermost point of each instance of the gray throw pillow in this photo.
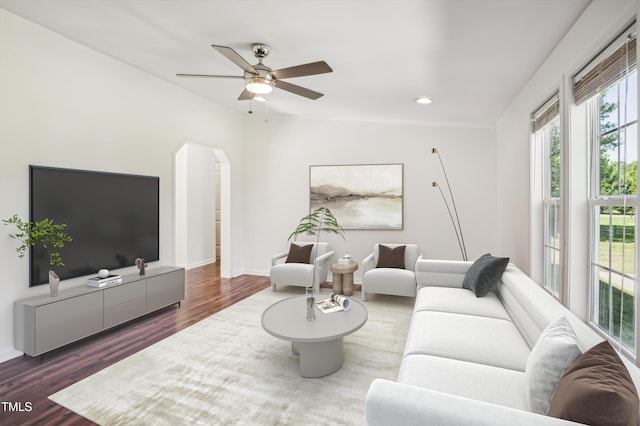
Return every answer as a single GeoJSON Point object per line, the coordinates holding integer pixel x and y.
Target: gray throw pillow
{"type": "Point", "coordinates": [483, 276]}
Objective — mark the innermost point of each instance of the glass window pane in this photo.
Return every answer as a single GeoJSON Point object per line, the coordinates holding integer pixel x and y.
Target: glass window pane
{"type": "Point", "coordinates": [553, 226]}
{"type": "Point", "coordinates": [629, 160]}
{"type": "Point", "coordinates": [552, 270]}
{"type": "Point", "coordinates": [602, 299]}
{"type": "Point", "coordinates": [554, 159]}
{"type": "Point", "coordinates": [608, 110]}
{"type": "Point", "coordinates": [605, 226]}
{"type": "Point", "coordinates": [629, 110]}
{"type": "Point", "coordinates": [616, 247]}
{"type": "Point", "coordinates": [613, 299]}
{"type": "Point", "coordinates": [618, 138]}
{"type": "Point", "coordinates": [609, 164]}
{"type": "Point", "coordinates": [552, 249]}
{"type": "Point", "coordinates": [622, 309]}
{"type": "Point", "coordinates": [613, 281]}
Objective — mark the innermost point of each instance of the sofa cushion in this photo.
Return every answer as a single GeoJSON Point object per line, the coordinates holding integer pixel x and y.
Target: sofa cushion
{"type": "Point", "coordinates": [597, 390]}
{"type": "Point", "coordinates": [556, 349]}
{"type": "Point", "coordinates": [459, 301]}
{"type": "Point", "coordinates": [299, 254]}
{"type": "Point", "coordinates": [471, 380]}
{"type": "Point", "coordinates": [399, 282]}
{"type": "Point", "coordinates": [470, 338]}
{"type": "Point", "coordinates": [483, 276]}
{"type": "Point", "coordinates": [390, 257]}
{"type": "Point", "coordinates": [292, 273]}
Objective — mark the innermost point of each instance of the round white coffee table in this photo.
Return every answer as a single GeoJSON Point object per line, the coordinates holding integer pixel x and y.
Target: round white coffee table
{"type": "Point", "coordinates": [319, 342]}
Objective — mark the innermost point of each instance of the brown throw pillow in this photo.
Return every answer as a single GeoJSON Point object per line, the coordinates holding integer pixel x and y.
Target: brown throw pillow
{"type": "Point", "coordinates": [299, 254]}
{"type": "Point", "coordinates": [390, 257]}
{"type": "Point", "coordinates": [597, 390]}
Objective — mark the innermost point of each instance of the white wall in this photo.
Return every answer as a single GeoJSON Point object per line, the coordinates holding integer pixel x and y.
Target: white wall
{"type": "Point", "coordinates": [277, 160]}
{"type": "Point", "coordinates": [195, 198]}
{"type": "Point", "coordinates": [599, 23]}
{"type": "Point", "coordinates": [64, 105]}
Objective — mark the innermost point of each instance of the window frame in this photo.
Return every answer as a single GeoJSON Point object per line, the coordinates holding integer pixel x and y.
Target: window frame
{"type": "Point", "coordinates": [596, 202]}
{"type": "Point", "coordinates": [552, 280]}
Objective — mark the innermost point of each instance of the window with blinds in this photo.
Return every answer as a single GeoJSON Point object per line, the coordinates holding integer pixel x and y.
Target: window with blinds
{"type": "Point", "coordinates": [614, 62]}
{"type": "Point", "coordinates": [546, 126]}
{"type": "Point", "coordinates": [608, 87]}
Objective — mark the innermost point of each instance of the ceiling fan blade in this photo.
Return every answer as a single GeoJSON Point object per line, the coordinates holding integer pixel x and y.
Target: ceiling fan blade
{"type": "Point", "coordinates": [312, 68]}
{"type": "Point", "coordinates": [209, 75]}
{"type": "Point", "coordinates": [298, 90]}
{"type": "Point", "coordinates": [245, 95]}
{"type": "Point", "coordinates": [234, 57]}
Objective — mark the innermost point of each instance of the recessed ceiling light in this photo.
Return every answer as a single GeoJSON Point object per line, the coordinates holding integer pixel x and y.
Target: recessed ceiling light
{"type": "Point", "coordinates": [423, 100]}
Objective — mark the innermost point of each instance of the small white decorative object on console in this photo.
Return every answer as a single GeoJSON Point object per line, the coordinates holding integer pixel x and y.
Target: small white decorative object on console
{"type": "Point", "coordinates": [104, 282]}
{"type": "Point", "coordinates": [103, 273]}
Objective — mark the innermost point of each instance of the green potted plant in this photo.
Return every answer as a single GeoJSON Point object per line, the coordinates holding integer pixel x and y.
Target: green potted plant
{"type": "Point", "coordinates": [43, 233]}
{"type": "Point", "coordinates": [321, 219]}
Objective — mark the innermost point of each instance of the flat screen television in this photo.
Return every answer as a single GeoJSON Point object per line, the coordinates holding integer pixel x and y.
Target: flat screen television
{"type": "Point", "coordinates": [113, 219]}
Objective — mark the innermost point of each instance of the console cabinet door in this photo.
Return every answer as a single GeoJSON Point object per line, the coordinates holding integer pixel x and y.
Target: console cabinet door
{"type": "Point", "coordinates": [165, 289]}
{"type": "Point", "coordinates": [125, 302]}
{"type": "Point", "coordinates": [68, 320]}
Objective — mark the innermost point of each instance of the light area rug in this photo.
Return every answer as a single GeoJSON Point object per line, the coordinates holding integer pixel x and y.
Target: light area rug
{"type": "Point", "coordinates": [226, 369]}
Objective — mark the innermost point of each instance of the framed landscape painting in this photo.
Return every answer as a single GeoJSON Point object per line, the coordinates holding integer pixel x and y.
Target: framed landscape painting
{"type": "Point", "coordinates": [361, 196]}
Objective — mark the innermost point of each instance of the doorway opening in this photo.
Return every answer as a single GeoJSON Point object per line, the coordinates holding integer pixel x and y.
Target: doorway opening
{"type": "Point", "coordinates": [202, 221]}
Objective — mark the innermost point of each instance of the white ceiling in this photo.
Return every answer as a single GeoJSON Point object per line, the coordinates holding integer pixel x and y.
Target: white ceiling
{"type": "Point", "coordinates": [470, 56]}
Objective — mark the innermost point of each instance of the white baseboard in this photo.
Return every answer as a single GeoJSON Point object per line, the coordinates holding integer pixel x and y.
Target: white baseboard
{"type": "Point", "coordinates": [8, 354]}
{"type": "Point", "coordinates": [259, 272]}
{"type": "Point", "coordinates": [199, 264]}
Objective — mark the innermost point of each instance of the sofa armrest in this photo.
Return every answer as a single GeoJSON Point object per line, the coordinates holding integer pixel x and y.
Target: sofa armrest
{"type": "Point", "coordinates": [392, 403]}
{"type": "Point", "coordinates": [323, 258]}
{"type": "Point", "coordinates": [367, 264]}
{"type": "Point", "coordinates": [441, 273]}
{"type": "Point", "coordinates": [415, 267]}
{"type": "Point", "coordinates": [276, 257]}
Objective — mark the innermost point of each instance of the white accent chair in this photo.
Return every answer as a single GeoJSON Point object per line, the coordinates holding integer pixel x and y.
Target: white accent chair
{"type": "Point", "coordinates": [301, 274]}
{"type": "Point", "coordinates": [393, 281]}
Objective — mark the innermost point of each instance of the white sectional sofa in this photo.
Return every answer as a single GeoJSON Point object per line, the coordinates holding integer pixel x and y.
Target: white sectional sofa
{"type": "Point", "coordinates": [465, 357]}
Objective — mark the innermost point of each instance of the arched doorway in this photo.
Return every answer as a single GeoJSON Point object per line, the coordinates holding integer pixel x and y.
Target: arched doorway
{"type": "Point", "coordinates": [196, 184]}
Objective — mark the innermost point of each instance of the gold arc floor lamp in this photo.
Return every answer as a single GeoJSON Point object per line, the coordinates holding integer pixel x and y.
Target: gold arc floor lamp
{"type": "Point", "coordinates": [453, 214]}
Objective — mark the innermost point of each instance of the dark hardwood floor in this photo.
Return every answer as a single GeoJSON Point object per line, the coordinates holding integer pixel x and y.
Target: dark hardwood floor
{"type": "Point", "coordinates": [25, 382]}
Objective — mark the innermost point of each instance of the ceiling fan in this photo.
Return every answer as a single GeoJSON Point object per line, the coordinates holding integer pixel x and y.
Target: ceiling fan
{"type": "Point", "coordinates": [260, 79]}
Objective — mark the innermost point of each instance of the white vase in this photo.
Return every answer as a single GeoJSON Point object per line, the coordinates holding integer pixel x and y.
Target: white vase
{"type": "Point", "coordinates": [54, 282]}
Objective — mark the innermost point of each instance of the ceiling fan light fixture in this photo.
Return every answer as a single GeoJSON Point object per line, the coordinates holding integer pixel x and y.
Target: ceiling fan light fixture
{"type": "Point", "coordinates": [260, 86]}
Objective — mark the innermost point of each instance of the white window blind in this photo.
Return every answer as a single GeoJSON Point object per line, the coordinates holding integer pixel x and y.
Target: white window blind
{"type": "Point", "coordinates": [546, 112]}
{"type": "Point", "coordinates": [615, 61]}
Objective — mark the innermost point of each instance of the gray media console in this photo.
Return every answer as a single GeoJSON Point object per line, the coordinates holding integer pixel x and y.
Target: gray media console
{"type": "Point", "coordinates": [44, 323]}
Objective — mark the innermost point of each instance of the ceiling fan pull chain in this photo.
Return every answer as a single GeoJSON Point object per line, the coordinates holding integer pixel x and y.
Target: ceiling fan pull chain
{"type": "Point", "coordinates": [266, 111]}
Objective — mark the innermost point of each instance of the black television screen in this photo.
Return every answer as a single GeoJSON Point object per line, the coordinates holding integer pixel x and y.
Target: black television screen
{"type": "Point", "coordinates": [112, 218]}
